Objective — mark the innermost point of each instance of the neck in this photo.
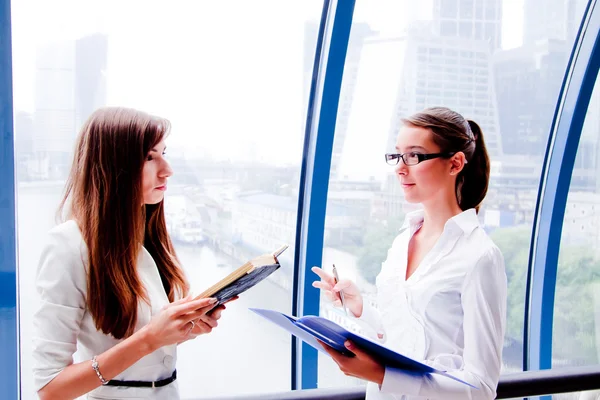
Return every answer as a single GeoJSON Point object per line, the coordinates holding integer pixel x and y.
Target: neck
{"type": "Point", "coordinates": [436, 216]}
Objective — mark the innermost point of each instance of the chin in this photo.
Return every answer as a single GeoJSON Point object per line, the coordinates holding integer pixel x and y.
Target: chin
{"type": "Point", "coordinates": [154, 200]}
{"type": "Point", "coordinates": [411, 198]}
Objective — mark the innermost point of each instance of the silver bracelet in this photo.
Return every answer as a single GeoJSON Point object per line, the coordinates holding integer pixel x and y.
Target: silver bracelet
{"type": "Point", "coordinates": [96, 368]}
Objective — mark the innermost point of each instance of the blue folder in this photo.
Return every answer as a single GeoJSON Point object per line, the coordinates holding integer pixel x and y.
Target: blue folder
{"type": "Point", "coordinates": [310, 328]}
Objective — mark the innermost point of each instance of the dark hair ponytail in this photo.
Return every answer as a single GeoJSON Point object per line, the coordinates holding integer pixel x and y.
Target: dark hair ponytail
{"type": "Point", "coordinates": [472, 182]}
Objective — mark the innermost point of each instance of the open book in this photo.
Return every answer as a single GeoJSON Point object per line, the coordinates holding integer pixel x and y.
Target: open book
{"type": "Point", "coordinates": [244, 277]}
{"type": "Point", "coordinates": [310, 328]}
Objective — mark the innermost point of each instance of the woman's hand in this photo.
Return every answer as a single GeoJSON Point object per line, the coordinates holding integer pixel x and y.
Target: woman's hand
{"type": "Point", "coordinates": [208, 321]}
{"type": "Point", "coordinates": [361, 366]}
{"type": "Point", "coordinates": [173, 324]}
{"type": "Point", "coordinates": [352, 296]}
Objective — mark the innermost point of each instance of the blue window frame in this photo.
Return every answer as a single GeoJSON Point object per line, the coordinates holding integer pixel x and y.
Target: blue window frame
{"type": "Point", "coordinates": [9, 328]}
{"type": "Point", "coordinates": [563, 143]}
{"type": "Point", "coordinates": [332, 45]}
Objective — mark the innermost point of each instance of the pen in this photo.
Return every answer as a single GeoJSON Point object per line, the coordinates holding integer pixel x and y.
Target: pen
{"type": "Point", "coordinates": [337, 279]}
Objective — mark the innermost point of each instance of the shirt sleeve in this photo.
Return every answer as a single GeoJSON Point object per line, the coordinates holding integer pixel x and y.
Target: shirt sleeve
{"type": "Point", "coordinates": [61, 288]}
{"type": "Point", "coordinates": [483, 301]}
{"type": "Point", "coordinates": [370, 321]}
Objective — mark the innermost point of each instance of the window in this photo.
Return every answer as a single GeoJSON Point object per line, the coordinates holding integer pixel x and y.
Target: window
{"type": "Point", "coordinates": [465, 29]}
{"type": "Point", "coordinates": [448, 28]}
{"type": "Point", "coordinates": [576, 332]}
{"type": "Point", "coordinates": [448, 8]}
{"type": "Point", "coordinates": [495, 100]}
{"type": "Point", "coordinates": [234, 104]}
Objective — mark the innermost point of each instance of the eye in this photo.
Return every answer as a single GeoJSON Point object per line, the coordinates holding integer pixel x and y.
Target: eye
{"type": "Point", "coordinates": [149, 157]}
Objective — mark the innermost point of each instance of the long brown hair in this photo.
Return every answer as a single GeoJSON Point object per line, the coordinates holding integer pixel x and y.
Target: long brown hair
{"type": "Point", "coordinates": [453, 133]}
{"type": "Point", "coordinates": [104, 196]}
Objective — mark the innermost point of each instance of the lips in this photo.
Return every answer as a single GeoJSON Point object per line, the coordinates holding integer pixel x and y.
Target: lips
{"type": "Point", "coordinates": [163, 187]}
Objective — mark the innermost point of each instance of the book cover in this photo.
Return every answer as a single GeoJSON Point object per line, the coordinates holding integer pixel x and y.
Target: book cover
{"type": "Point", "coordinates": [310, 328]}
{"type": "Point", "coordinates": [244, 277]}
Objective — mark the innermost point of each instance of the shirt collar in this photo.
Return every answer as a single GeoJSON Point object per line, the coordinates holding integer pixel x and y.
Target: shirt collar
{"type": "Point", "coordinates": [412, 219]}
{"type": "Point", "coordinates": [467, 220]}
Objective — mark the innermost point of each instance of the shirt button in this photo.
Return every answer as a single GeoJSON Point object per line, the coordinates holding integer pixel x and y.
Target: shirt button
{"type": "Point", "coordinates": [168, 362]}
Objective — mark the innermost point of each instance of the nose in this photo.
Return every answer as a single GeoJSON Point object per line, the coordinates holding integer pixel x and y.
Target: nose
{"type": "Point", "coordinates": [165, 170]}
{"type": "Point", "coordinates": [401, 168]}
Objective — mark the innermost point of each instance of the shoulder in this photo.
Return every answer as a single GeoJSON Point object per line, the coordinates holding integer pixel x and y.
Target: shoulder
{"type": "Point", "coordinates": [489, 261]}
{"type": "Point", "coordinates": [485, 247]}
{"type": "Point", "coordinates": [63, 258]}
{"type": "Point", "coordinates": [66, 239]}
{"type": "Point", "coordinates": [68, 232]}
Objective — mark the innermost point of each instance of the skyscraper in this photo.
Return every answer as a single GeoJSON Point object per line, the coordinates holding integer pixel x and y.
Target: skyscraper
{"type": "Point", "coordinates": [450, 71]}
{"type": "Point", "coordinates": [359, 34]}
{"type": "Point", "coordinates": [69, 85]}
{"type": "Point", "coordinates": [528, 79]}
{"type": "Point", "coordinates": [91, 53]}
{"type": "Point", "coordinates": [480, 20]}
{"type": "Point", "coordinates": [555, 20]}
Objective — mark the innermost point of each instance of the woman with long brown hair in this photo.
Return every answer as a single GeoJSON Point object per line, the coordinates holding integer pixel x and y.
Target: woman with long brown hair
{"type": "Point", "coordinates": [441, 292]}
{"type": "Point", "coordinates": [109, 281]}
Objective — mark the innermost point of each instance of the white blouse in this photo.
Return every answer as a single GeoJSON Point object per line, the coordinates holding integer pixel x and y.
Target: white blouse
{"type": "Point", "coordinates": [63, 327]}
{"type": "Point", "coordinates": [450, 313]}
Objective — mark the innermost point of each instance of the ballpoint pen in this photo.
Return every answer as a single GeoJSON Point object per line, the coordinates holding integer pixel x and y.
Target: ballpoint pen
{"type": "Point", "coordinates": [337, 279]}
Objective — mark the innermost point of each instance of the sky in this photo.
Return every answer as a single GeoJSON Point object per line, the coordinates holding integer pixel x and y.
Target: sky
{"type": "Point", "coordinates": [228, 74]}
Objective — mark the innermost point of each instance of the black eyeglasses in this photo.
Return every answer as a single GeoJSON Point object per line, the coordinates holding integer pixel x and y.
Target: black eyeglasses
{"type": "Point", "coordinates": [413, 158]}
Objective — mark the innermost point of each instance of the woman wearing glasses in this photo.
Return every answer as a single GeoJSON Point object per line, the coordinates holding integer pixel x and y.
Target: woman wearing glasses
{"type": "Point", "coordinates": [441, 292]}
{"type": "Point", "coordinates": [109, 282]}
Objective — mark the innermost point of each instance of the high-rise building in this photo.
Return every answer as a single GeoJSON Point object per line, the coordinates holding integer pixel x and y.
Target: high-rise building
{"type": "Point", "coordinates": [528, 80]}
{"type": "Point", "coordinates": [448, 71]}
{"type": "Point", "coordinates": [480, 20]}
{"type": "Point", "coordinates": [359, 34]}
{"type": "Point", "coordinates": [91, 53]}
{"type": "Point", "coordinates": [555, 20]}
{"type": "Point", "coordinates": [70, 84]}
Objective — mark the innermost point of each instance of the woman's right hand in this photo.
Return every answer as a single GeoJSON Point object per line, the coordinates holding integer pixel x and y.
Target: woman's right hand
{"type": "Point", "coordinates": [352, 296]}
{"type": "Point", "coordinates": [172, 325]}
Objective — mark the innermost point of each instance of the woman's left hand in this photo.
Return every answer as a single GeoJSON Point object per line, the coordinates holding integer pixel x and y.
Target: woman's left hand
{"type": "Point", "coordinates": [361, 366]}
{"type": "Point", "coordinates": [208, 321]}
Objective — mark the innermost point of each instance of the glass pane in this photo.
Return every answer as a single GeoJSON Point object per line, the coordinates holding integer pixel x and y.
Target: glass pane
{"type": "Point", "coordinates": [576, 329]}
{"type": "Point", "coordinates": [409, 56]}
{"type": "Point", "coordinates": [233, 78]}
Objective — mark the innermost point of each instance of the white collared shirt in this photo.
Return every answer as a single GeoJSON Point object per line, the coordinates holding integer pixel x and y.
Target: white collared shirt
{"type": "Point", "coordinates": [63, 327]}
{"type": "Point", "coordinates": [450, 313]}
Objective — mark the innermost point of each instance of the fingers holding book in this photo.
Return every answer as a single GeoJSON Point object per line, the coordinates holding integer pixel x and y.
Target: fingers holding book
{"type": "Point", "coordinates": [206, 322]}
{"type": "Point", "coordinates": [362, 365]}
{"type": "Point", "coordinates": [172, 324]}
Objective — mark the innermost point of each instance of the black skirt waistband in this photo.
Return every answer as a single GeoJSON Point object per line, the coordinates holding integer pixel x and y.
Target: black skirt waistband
{"type": "Point", "coordinates": [154, 384]}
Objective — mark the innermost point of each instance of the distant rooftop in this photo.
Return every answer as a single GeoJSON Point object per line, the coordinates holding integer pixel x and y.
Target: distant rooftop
{"type": "Point", "coordinates": [285, 203]}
